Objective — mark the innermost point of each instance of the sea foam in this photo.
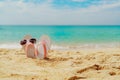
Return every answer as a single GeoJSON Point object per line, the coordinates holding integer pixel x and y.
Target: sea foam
{"type": "Point", "coordinates": [65, 47]}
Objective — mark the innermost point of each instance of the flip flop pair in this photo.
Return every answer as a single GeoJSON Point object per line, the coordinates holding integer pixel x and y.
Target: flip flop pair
{"type": "Point", "coordinates": [39, 50]}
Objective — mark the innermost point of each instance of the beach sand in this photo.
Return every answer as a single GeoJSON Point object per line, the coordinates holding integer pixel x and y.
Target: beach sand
{"type": "Point", "coordinates": [82, 64]}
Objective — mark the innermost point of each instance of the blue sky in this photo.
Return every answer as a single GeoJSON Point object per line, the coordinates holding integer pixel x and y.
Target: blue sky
{"type": "Point", "coordinates": [60, 12]}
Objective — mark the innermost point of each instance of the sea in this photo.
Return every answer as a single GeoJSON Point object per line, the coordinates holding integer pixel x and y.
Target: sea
{"type": "Point", "coordinates": [63, 36]}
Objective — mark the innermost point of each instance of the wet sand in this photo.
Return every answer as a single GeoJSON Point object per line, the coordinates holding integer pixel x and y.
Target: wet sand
{"type": "Point", "coordinates": [82, 64]}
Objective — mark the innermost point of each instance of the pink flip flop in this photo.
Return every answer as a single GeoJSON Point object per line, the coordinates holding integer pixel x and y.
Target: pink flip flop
{"type": "Point", "coordinates": [41, 51]}
{"type": "Point", "coordinates": [30, 50]}
{"type": "Point", "coordinates": [43, 47]}
{"type": "Point", "coordinates": [29, 47]}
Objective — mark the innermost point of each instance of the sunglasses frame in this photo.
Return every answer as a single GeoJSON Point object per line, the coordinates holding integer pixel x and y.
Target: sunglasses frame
{"type": "Point", "coordinates": [32, 40]}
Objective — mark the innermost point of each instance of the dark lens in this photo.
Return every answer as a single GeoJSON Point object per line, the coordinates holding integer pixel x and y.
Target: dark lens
{"type": "Point", "coordinates": [33, 40]}
{"type": "Point", "coordinates": [23, 42]}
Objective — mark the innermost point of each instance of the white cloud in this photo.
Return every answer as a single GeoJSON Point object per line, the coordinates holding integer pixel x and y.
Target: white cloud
{"type": "Point", "coordinates": [19, 12]}
{"type": "Point", "coordinates": [103, 7]}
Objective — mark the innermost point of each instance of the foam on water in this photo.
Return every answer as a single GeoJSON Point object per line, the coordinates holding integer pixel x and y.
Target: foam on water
{"type": "Point", "coordinates": [10, 46]}
{"type": "Point", "coordinates": [66, 47]}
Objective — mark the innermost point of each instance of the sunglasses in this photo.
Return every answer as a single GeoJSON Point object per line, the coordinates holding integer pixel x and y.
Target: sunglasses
{"type": "Point", "coordinates": [32, 40]}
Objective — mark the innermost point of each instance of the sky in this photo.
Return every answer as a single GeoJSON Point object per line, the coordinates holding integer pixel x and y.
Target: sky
{"type": "Point", "coordinates": [59, 12]}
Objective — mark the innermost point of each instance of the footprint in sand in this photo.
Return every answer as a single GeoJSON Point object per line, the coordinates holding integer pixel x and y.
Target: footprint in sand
{"type": "Point", "coordinates": [112, 73]}
{"type": "Point", "coordinates": [76, 77]}
{"type": "Point", "coordinates": [95, 67]}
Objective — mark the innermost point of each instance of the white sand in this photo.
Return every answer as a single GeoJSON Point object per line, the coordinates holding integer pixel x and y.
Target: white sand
{"type": "Point", "coordinates": [82, 64]}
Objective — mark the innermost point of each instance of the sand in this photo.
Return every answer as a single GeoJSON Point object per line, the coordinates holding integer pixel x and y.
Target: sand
{"type": "Point", "coordinates": [82, 64]}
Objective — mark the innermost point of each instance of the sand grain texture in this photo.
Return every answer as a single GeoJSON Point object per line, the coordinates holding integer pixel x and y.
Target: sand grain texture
{"type": "Point", "coordinates": [83, 64]}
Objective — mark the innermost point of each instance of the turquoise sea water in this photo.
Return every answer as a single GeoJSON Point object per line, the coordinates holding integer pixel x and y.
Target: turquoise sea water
{"type": "Point", "coordinates": [62, 34]}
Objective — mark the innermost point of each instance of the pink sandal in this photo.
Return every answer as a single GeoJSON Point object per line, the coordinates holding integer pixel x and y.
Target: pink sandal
{"type": "Point", "coordinates": [43, 47]}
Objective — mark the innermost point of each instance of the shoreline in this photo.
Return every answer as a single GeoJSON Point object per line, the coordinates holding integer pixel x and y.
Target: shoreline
{"type": "Point", "coordinates": [67, 47]}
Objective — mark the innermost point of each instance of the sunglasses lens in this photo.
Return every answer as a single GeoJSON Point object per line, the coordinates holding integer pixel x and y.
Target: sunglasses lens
{"type": "Point", "coordinates": [23, 42]}
{"type": "Point", "coordinates": [33, 40]}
